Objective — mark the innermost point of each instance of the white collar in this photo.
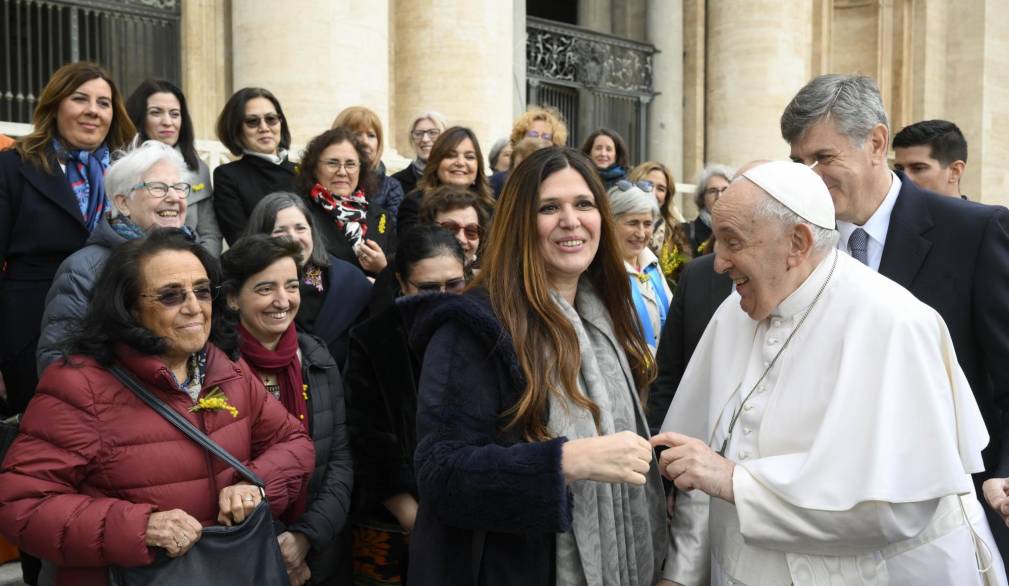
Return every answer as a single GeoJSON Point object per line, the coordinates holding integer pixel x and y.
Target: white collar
{"type": "Point", "coordinates": [646, 258]}
{"type": "Point", "coordinates": [878, 223]}
{"type": "Point", "coordinates": [276, 159]}
{"type": "Point", "coordinates": [802, 297]}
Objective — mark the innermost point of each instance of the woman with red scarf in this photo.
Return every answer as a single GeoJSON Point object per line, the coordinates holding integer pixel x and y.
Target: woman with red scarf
{"type": "Point", "coordinates": [261, 281]}
{"type": "Point", "coordinates": [337, 178]}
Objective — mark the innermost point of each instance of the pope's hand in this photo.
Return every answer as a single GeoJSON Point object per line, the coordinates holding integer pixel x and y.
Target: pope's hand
{"type": "Point", "coordinates": [996, 492]}
{"type": "Point", "coordinates": [615, 458]}
{"type": "Point", "coordinates": [692, 464]}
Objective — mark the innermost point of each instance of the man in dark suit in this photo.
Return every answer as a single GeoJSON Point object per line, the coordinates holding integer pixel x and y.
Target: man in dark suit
{"type": "Point", "coordinates": [951, 254]}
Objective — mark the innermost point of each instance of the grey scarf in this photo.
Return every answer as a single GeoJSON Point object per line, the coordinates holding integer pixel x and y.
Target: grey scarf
{"type": "Point", "coordinates": [618, 535]}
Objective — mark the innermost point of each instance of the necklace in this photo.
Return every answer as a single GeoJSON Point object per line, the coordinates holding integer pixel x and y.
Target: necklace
{"type": "Point", "coordinates": [770, 365]}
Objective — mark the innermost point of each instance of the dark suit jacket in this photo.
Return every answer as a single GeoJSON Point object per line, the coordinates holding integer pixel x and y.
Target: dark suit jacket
{"type": "Point", "coordinates": [953, 255]}
{"type": "Point", "coordinates": [40, 226]}
{"type": "Point", "coordinates": [698, 294]}
{"type": "Point", "coordinates": [238, 187]}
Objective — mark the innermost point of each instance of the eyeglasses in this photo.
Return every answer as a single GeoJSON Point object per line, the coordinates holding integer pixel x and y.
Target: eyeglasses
{"type": "Point", "coordinates": [643, 185]}
{"type": "Point", "coordinates": [176, 296]}
{"type": "Point", "coordinates": [159, 189]}
{"type": "Point", "coordinates": [430, 133]}
{"type": "Point", "coordinates": [545, 136]}
{"type": "Point", "coordinates": [450, 286]}
{"type": "Point", "coordinates": [471, 231]}
{"type": "Point", "coordinates": [715, 192]}
{"type": "Point", "coordinates": [335, 166]}
{"type": "Point", "coordinates": [253, 122]}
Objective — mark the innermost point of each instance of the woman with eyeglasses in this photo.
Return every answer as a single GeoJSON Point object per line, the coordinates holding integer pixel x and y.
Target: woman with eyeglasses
{"type": "Point", "coordinates": [367, 127]}
{"type": "Point", "coordinates": [670, 241]}
{"type": "Point", "coordinates": [635, 212]}
{"type": "Point", "coordinates": [711, 182]}
{"type": "Point", "coordinates": [252, 126]}
{"type": "Point", "coordinates": [532, 462]}
{"type": "Point", "coordinates": [381, 379]}
{"type": "Point", "coordinates": [261, 282]}
{"type": "Point", "coordinates": [147, 192]}
{"type": "Point", "coordinates": [158, 110]}
{"type": "Point", "coordinates": [542, 125]}
{"type": "Point", "coordinates": [333, 292]}
{"type": "Point", "coordinates": [456, 159]}
{"type": "Point", "coordinates": [337, 180]}
{"type": "Point", "coordinates": [423, 133]}
{"type": "Point", "coordinates": [459, 211]}
{"type": "Point", "coordinates": [96, 477]}
{"type": "Point", "coordinates": [608, 153]}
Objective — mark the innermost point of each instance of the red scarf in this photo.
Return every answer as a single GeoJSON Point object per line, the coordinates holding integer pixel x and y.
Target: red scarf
{"type": "Point", "coordinates": [350, 212]}
{"type": "Point", "coordinates": [283, 362]}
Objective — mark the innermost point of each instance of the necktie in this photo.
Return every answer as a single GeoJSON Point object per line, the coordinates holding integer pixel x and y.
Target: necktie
{"type": "Point", "coordinates": [858, 244]}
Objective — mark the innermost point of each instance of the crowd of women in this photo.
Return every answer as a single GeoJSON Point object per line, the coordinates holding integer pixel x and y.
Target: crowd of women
{"type": "Point", "coordinates": [305, 317]}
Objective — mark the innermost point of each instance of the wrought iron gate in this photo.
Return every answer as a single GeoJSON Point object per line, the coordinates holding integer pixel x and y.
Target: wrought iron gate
{"type": "Point", "coordinates": [595, 80]}
{"type": "Point", "coordinates": [134, 39]}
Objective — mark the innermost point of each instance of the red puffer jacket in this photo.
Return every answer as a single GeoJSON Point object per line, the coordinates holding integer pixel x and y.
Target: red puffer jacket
{"type": "Point", "coordinates": [92, 461]}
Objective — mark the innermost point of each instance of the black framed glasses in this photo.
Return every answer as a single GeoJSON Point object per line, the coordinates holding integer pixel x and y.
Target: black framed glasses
{"type": "Point", "coordinates": [643, 185]}
{"type": "Point", "coordinates": [471, 231]}
{"type": "Point", "coordinates": [176, 296]}
{"type": "Point", "coordinates": [431, 133]}
{"type": "Point", "coordinates": [159, 189]}
{"type": "Point", "coordinates": [253, 122]}
{"type": "Point", "coordinates": [450, 286]}
{"type": "Point", "coordinates": [715, 192]}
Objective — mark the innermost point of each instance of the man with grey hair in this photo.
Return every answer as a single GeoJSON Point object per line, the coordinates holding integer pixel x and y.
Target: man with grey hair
{"type": "Point", "coordinates": [951, 254]}
{"type": "Point", "coordinates": [848, 464]}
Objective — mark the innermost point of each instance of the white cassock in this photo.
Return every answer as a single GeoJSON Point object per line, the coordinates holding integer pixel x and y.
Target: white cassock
{"type": "Point", "coordinates": [850, 455]}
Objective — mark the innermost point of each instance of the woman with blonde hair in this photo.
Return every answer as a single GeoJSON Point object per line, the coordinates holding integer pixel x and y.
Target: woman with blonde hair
{"type": "Point", "coordinates": [532, 462]}
{"type": "Point", "coordinates": [670, 241]}
{"type": "Point", "coordinates": [538, 124]}
{"type": "Point", "coordinates": [367, 128]}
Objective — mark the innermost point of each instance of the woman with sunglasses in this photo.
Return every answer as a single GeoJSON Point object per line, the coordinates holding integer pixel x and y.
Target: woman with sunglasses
{"type": "Point", "coordinates": [459, 211]}
{"type": "Point", "coordinates": [333, 292]}
{"type": "Point", "coordinates": [158, 109]}
{"type": "Point", "coordinates": [456, 159]}
{"type": "Point", "coordinates": [261, 282]}
{"type": "Point", "coordinates": [381, 380]}
{"type": "Point", "coordinates": [635, 212]}
{"type": "Point", "coordinates": [147, 192]}
{"type": "Point", "coordinates": [711, 182]}
{"type": "Point", "coordinates": [98, 478]}
{"type": "Point", "coordinates": [252, 126]}
{"type": "Point", "coordinates": [337, 181]}
{"type": "Point", "coordinates": [424, 132]}
{"type": "Point", "coordinates": [670, 241]}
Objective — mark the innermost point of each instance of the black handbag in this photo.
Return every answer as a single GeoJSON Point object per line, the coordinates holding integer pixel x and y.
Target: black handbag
{"type": "Point", "coordinates": [8, 431]}
{"type": "Point", "coordinates": [241, 555]}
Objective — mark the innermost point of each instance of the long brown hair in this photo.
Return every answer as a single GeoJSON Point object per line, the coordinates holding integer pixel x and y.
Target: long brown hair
{"type": "Point", "coordinates": [446, 143]}
{"type": "Point", "coordinates": [515, 277]}
{"type": "Point", "coordinates": [35, 147]}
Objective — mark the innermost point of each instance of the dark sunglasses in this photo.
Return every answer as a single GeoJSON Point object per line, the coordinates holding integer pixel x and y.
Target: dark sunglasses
{"type": "Point", "coordinates": [643, 185]}
{"type": "Point", "coordinates": [472, 231]}
{"type": "Point", "coordinates": [450, 286]}
{"type": "Point", "coordinates": [253, 122]}
{"type": "Point", "coordinates": [175, 296]}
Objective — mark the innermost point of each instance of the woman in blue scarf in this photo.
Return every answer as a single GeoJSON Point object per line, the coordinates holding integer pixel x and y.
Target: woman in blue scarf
{"type": "Point", "coordinates": [608, 153]}
{"type": "Point", "coordinates": [52, 196]}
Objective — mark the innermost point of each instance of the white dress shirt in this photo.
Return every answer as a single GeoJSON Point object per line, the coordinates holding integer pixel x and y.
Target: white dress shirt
{"type": "Point", "coordinates": [877, 226]}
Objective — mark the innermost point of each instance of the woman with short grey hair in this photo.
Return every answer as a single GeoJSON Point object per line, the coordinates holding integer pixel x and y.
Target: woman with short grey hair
{"type": "Point", "coordinates": [635, 212]}
{"type": "Point", "coordinates": [424, 130]}
{"type": "Point", "coordinates": [711, 182]}
{"type": "Point", "coordinates": [146, 191]}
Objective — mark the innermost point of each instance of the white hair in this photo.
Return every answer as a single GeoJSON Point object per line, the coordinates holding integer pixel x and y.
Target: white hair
{"type": "Point", "coordinates": [632, 201]}
{"type": "Point", "coordinates": [824, 239]}
{"type": "Point", "coordinates": [129, 168]}
{"type": "Point", "coordinates": [437, 119]}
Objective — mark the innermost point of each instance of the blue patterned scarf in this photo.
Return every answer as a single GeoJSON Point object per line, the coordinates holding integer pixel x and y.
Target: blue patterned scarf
{"type": "Point", "coordinates": [86, 174]}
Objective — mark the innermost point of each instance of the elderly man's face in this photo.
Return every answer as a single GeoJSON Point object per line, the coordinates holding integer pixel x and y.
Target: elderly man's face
{"type": "Point", "coordinates": [753, 251]}
{"type": "Point", "coordinates": [846, 169]}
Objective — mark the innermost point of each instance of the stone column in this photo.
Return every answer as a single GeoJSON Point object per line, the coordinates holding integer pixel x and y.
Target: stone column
{"type": "Point", "coordinates": [665, 120]}
{"type": "Point", "coordinates": [316, 57]}
{"type": "Point", "coordinates": [596, 15]}
{"type": "Point", "coordinates": [694, 59]}
{"type": "Point", "coordinates": [759, 55]}
{"type": "Point", "coordinates": [458, 62]}
{"type": "Point", "coordinates": [206, 73]}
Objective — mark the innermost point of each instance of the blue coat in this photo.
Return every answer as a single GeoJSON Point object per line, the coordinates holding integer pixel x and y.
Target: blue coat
{"type": "Point", "coordinates": [491, 503]}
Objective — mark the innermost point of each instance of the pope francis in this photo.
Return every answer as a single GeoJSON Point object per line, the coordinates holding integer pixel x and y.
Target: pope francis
{"type": "Point", "coordinates": [823, 432]}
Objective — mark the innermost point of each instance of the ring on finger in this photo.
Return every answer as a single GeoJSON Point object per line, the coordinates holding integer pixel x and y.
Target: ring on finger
{"type": "Point", "coordinates": [248, 499]}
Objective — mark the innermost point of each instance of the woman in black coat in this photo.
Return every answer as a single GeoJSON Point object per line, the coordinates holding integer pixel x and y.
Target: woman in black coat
{"type": "Point", "coordinates": [337, 180]}
{"type": "Point", "coordinates": [52, 197]}
{"type": "Point", "coordinates": [381, 381]}
{"type": "Point", "coordinates": [261, 278]}
{"type": "Point", "coordinates": [252, 126]}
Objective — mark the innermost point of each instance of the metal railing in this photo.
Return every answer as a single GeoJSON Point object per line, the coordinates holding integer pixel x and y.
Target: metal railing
{"type": "Point", "coordinates": [134, 39]}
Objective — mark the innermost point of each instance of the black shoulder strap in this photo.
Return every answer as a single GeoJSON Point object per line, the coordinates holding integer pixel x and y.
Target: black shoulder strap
{"type": "Point", "coordinates": [176, 419]}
